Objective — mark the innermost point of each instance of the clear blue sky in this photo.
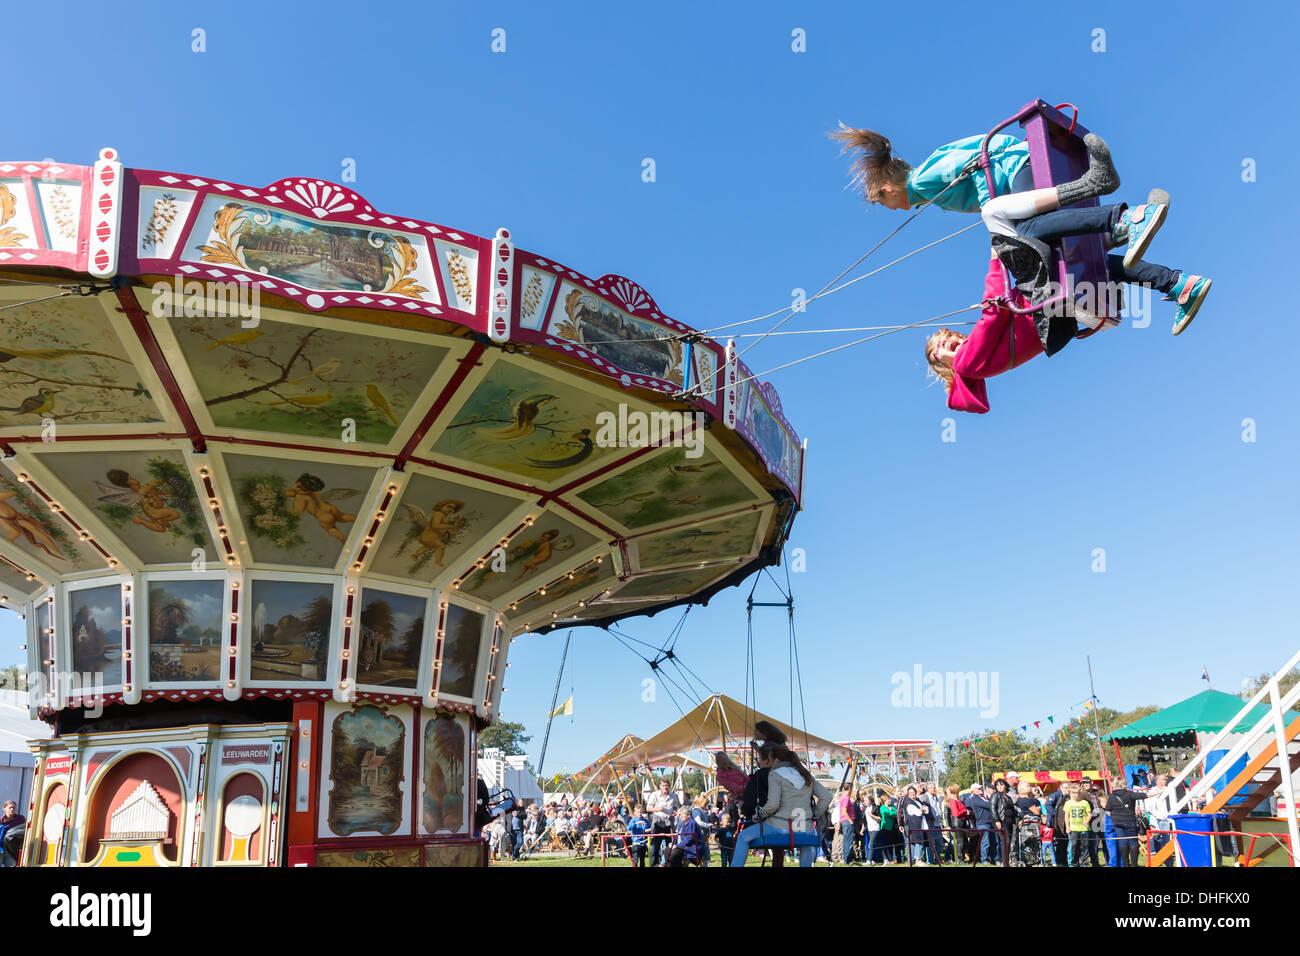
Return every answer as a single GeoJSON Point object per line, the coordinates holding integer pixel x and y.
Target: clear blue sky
{"type": "Point", "coordinates": [918, 551]}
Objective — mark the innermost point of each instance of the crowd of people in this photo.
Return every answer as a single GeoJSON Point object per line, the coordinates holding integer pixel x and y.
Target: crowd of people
{"type": "Point", "coordinates": [781, 808]}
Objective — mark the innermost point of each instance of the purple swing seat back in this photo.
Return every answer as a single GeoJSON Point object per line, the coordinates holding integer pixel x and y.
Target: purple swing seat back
{"type": "Point", "coordinates": [1057, 155]}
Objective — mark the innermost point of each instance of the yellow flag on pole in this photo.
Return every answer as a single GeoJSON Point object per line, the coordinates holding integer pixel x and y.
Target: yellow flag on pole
{"type": "Point", "coordinates": [565, 709]}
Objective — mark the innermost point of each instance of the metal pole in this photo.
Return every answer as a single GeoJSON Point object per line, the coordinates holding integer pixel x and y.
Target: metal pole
{"type": "Point", "coordinates": [1101, 752]}
{"type": "Point", "coordinates": [550, 715]}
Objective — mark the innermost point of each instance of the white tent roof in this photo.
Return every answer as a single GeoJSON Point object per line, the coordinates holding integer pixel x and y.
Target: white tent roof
{"type": "Point", "coordinates": [715, 723]}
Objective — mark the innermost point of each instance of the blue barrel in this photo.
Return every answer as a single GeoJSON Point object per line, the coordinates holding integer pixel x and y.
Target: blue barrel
{"type": "Point", "coordinates": [1194, 848]}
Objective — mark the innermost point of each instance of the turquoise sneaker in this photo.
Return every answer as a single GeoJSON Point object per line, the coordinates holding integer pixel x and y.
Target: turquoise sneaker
{"type": "Point", "coordinates": [1119, 235]}
{"type": "Point", "coordinates": [1141, 223]}
{"type": "Point", "coordinates": [1189, 292]}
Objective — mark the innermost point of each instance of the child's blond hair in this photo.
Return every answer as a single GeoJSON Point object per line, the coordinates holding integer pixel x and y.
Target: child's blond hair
{"type": "Point", "coordinates": [942, 370]}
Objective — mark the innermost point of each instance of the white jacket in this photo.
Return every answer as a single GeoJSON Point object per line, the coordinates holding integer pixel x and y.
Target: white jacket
{"type": "Point", "coordinates": [790, 798]}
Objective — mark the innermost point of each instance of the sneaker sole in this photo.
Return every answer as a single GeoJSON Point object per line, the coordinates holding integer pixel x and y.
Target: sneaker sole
{"type": "Point", "coordinates": [1187, 319]}
{"type": "Point", "coordinates": [1135, 253]}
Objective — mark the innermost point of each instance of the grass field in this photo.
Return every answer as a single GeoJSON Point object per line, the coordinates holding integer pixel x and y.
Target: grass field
{"type": "Point", "coordinates": [611, 861]}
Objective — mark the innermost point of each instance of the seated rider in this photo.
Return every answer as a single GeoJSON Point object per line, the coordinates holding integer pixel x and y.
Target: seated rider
{"type": "Point", "coordinates": [963, 361]}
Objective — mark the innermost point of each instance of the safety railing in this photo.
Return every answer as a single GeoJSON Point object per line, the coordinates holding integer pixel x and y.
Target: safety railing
{"type": "Point", "coordinates": [1278, 703]}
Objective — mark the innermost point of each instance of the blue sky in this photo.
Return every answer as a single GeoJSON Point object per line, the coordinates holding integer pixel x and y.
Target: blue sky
{"type": "Point", "coordinates": [918, 551]}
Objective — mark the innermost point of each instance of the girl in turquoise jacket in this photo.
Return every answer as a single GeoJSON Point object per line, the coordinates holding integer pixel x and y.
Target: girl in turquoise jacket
{"type": "Point", "coordinates": [894, 183]}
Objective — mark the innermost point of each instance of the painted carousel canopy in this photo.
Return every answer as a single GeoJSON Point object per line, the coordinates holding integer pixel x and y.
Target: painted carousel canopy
{"type": "Point", "coordinates": [206, 386]}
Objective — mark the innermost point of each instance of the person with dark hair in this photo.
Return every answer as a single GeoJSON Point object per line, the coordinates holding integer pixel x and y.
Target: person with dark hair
{"type": "Point", "coordinates": [873, 844]}
{"type": "Point", "coordinates": [638, 827]}
{"type": "Point", "coordinates": [726, 839]}
{"type": "Point", "coordinates": [687, 845]}
{"type": "Point", "coordinates": [847, 821]}
{"type": "Point", "coordinates": [982, 821]}
{"type": "Point", "coordinates": [1122, 807]}
{"type": "Point", "coordinates": [1003, 808]}
{"type": "Point", "coordinates": [13, 827]}
{"type": "Point", "coordinates": [794, 800]}
{"type": "Point", "coordinates": [890, 831]}
{"type": "Point", "coordinates": [663, 806]}
{"type": "Point", "coordinates": [1054, 815]}
{"type": "Point", "coordinates": [749, 791]}
{"type": "Point", "coordinates": [918, 820]}
{"type": "Point", "coordinates": [1096, 830]}
{"type": "Point", "coordinates": [956, 817]}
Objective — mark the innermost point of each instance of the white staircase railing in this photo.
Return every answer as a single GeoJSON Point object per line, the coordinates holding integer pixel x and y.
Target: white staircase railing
{"type": "Point", "coordinates": [1274, 721]}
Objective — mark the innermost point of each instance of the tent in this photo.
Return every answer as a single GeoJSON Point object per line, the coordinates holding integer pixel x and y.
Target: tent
{"type": "Point", "coordinates": [716, 723]}
{"type": "Point", "coordinates": [1177, 725]}
{"type": "Point", "coordinates": [600, 772]}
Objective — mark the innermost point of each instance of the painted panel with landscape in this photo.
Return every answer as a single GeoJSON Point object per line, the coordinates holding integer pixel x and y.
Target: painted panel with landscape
{"type": "Point", "coordinates": [460, 646]}
{"type": "Point", "coordinates": [95, 623]}
{"type": "Point", "coordinates": [443, 760]}
{"type": "Point", "coordinates": [367, 767]}
{"type": "Point", "coordinates": [185, 630]}
{"type": "Point", "coordinates": [390, 639]}
{"type": "Point", "coordinates": [291, 630]}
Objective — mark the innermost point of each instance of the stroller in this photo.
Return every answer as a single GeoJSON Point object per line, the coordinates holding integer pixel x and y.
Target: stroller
{"type": "Point", "coordinates": [1028, 850]}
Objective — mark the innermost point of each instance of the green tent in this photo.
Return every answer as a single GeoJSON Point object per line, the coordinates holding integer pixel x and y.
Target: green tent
{"type": "Point", "coordinates": [1207, 712]}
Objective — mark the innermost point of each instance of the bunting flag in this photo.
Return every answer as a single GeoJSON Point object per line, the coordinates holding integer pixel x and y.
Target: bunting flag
{"type": "Point", "coordinates": [1056, 737]}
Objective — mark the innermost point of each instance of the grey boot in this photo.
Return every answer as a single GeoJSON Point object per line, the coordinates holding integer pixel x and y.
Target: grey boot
{"type": "Point", "coordinates": [1101, 179]}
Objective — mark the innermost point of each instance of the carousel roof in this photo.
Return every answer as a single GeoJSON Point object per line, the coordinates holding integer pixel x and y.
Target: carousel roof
{"type": "Point", "coordinates": [198, 373]}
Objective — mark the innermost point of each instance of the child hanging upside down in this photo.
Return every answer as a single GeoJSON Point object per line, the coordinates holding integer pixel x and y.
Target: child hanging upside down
{"type": "Point", "coordinates": [963, 362]}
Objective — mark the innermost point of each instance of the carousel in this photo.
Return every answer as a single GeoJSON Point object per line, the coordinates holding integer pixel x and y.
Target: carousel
{"type": "Point", "coordinates": [283, 476]}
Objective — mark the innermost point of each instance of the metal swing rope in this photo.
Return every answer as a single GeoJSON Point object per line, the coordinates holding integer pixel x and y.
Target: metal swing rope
{"type": "Point", "coordinates": [847, 345]}
{"type": "Point", "coordinates": [825, 290]}
{"type": "Point", "coordinates": [666, 652]}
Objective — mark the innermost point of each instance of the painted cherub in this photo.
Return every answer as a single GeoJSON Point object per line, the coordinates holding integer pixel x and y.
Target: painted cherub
{"type": "Point", "coordinates": [443, 521]}
{"type": "Point", "coordinates": [18, 525]}
{"type": "Point", "coordinates": [539, 552]}
{"type": "Point", "coordinates": [306, 496]}
{"type": "Point", "coordinates": [154, 513]}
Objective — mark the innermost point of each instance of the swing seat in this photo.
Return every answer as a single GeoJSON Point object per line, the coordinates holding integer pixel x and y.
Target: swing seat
{"type": "Point", "coordinates": [1057, 155]}
{"type": "Point", "coordinates": [789, 841]}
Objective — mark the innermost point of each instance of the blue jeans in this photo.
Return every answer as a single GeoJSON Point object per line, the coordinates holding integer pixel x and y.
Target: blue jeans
{"type": "Point", "coordinates": [990, 844]}
{"type": "Point", "coordinates": [758, 831]}
{"type": "Point", "coordinates": [1051, 226]}
{"type": "Point", "coordinates": [846, 837]}
{"type": "Point", "coordinates": [872, 853]}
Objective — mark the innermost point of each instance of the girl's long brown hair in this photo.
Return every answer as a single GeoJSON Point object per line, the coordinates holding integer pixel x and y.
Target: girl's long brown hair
{"type": "Point", "coordinates": [786, 755]}
{"type": "Point", "coordinates": [875, 164]}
